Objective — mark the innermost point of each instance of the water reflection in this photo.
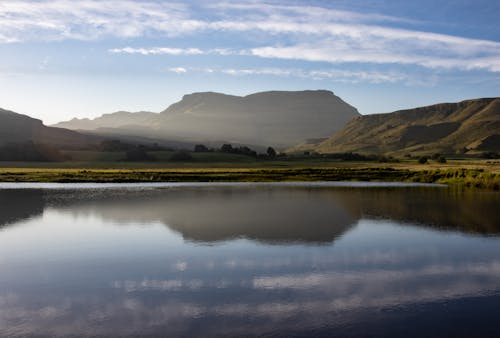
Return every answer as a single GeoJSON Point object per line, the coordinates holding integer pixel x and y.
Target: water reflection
{"type": "Point", "coordinates": [285, 262]}
{"type": "Point", "coordinates": [268, 214]}
{"type": "Point", "coordinates": [19, 205]}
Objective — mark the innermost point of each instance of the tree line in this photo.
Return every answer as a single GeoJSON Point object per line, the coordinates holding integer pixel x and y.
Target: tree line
{"type": "Point", "coordinates": [239, 150]}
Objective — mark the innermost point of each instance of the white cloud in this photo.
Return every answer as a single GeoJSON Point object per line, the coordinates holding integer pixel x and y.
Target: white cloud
{"type": "Point", "coordinates": [365, 52]}
{"type": "Point", "coordinates": [157, 51]}
{"type": "Point", "coordinates": [5, 39]}
{"type": "Point", "coordinates": [177, 51]}
{"type": "Point", "coordinates": [319, 13]}
{"type": "Point", "coordinates": [335, 75]}
{"type": "Point", "coordinates": [261, 71]}
{"type": "Point", "coordinates": [22, 20]}
{"type": "Point", "coordinates": [178, 70]}
{"type": "Point", "coordinates": [305, 33]}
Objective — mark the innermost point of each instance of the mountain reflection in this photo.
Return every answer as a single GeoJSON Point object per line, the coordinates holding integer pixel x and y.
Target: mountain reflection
{"type": "Point", "coordinates": [267, 214]}
{"type": "Point", "coordinates": [19, 205]}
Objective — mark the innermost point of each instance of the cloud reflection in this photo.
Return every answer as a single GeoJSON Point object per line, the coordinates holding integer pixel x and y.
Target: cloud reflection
{"type": "Point", "coordinates": [316, 298]}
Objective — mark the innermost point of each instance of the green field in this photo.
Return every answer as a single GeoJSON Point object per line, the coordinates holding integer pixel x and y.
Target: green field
{"type": "Point", "coordinates": [160, 156]}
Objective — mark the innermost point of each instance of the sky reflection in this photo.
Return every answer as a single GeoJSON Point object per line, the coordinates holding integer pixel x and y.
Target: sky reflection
{"type": "Point", "coordinates": [195, 261]}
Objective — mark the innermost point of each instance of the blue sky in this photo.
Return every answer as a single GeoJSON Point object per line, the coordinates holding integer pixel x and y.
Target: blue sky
{"type": "Point", "coordinates": [62, 59]}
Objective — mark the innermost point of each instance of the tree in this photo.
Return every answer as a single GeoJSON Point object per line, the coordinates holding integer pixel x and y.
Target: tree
{"type": "Point", "coordinates": [200, 148]}
{"type": "Point", "coordinates": [271, 152]}
{"type": "Point", "coordinates": [422, 160]}
{"type": "Point", "coordinates": [226, 148]}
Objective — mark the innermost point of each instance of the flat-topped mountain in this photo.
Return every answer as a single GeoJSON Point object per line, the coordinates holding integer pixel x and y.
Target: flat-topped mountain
{"type": "Point", "coordinates": [18, 128]}
{"type": "Point", "coordinates": [277, 118]}
{"type": "Point", "coordinates": [464, 127]}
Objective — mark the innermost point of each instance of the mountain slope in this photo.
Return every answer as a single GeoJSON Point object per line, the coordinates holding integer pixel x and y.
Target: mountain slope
{"type": "Point", "coordinates": [112, 120]}
{"type": "Point", "coordinates": [277, 118]}
{"type": "Point", "coordinates": [467, 126]}
{"type": "Point", "coordinates": [18, 128]}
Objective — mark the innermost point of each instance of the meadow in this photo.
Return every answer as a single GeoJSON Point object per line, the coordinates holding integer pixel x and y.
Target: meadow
{"type": "Point", "coordinates": [218, 167]}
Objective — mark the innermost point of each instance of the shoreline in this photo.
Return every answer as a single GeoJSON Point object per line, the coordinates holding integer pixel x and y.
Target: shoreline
{"type": "Point", "coordinates": [460, 177]}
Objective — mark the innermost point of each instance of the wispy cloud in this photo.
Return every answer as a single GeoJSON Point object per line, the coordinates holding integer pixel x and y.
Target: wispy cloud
{"type": "Point", "coordinates": [177, 51]}
{"type": "Point", "coordinates": [306, 33]}
{"type": "Point", "coordinates": [177, 70]}
{"type": "Point", "coordinates": [319, 13]}
{"type": "Point", "coordinates": [158, 51]}
{"type": "Point", "coordinates": [335, 75]}
{"type": "Point", "coordinates": [22, 20]}
{"type": "Point", "coordinates": [388, 51]}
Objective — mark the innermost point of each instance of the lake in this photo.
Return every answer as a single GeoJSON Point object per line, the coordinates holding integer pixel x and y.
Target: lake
{"type": "Point", "coordinates": [291, 260]}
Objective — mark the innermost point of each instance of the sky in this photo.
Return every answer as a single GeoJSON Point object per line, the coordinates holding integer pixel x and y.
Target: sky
{"type": "Point", "coordinates": [62, 59]}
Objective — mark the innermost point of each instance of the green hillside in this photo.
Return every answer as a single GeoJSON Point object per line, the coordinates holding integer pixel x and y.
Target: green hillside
{"type": "Point", "coordinates": [467, 127]}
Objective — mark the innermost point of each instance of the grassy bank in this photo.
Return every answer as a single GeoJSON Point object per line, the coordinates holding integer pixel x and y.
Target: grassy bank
{"type": "Point", "coordinates": [460, 177]}
{"type": "Point", "coordinates": [466, 178]}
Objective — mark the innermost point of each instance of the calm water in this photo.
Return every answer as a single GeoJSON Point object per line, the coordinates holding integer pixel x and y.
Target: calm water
{"type": "Point", "coordinates": [248, 260]}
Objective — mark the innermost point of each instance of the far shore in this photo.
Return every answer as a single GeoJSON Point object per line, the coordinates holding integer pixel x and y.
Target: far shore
{"type": "Point", "coordinates": [466, 174]}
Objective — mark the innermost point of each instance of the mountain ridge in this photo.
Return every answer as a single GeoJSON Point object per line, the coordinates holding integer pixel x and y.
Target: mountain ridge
{"type": "Point", "coordinates": [466, 127]}
{"type": "Point", "coordinates": [277, 118]}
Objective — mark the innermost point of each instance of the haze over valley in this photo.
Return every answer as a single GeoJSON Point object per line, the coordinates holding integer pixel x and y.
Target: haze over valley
{"type": "Point", "coordinates": [276, 118]}
{"type": "Point", "coordinates": [295, 122]}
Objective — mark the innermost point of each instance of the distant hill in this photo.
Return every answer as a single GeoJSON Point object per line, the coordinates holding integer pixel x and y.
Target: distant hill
{"type": "Point", "coordinates": [112, 120]}
{"type": "Point", "coordinates": [469, 126]}
{"type": "Point", "coordinates": [18, 128]}
{"type": "Point", "coordinates": [277, 118]}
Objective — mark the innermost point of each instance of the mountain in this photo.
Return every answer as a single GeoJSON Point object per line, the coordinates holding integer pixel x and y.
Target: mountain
{"type": "Point", "coordinates": [18, 128]}
{"type": "Point", "coordinates": [277, 118]}
{"type": "Point", "coordinates": [113, 120]}
{"type": "Point", "coordinates": [469, 126]}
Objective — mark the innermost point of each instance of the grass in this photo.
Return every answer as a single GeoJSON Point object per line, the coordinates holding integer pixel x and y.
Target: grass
{"type": "Point", "coordinates": [96, 158]}
{"type": "Point", "coordinates": [482, 175]}
{"type": "Point", "coordinates": [468, 178]}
